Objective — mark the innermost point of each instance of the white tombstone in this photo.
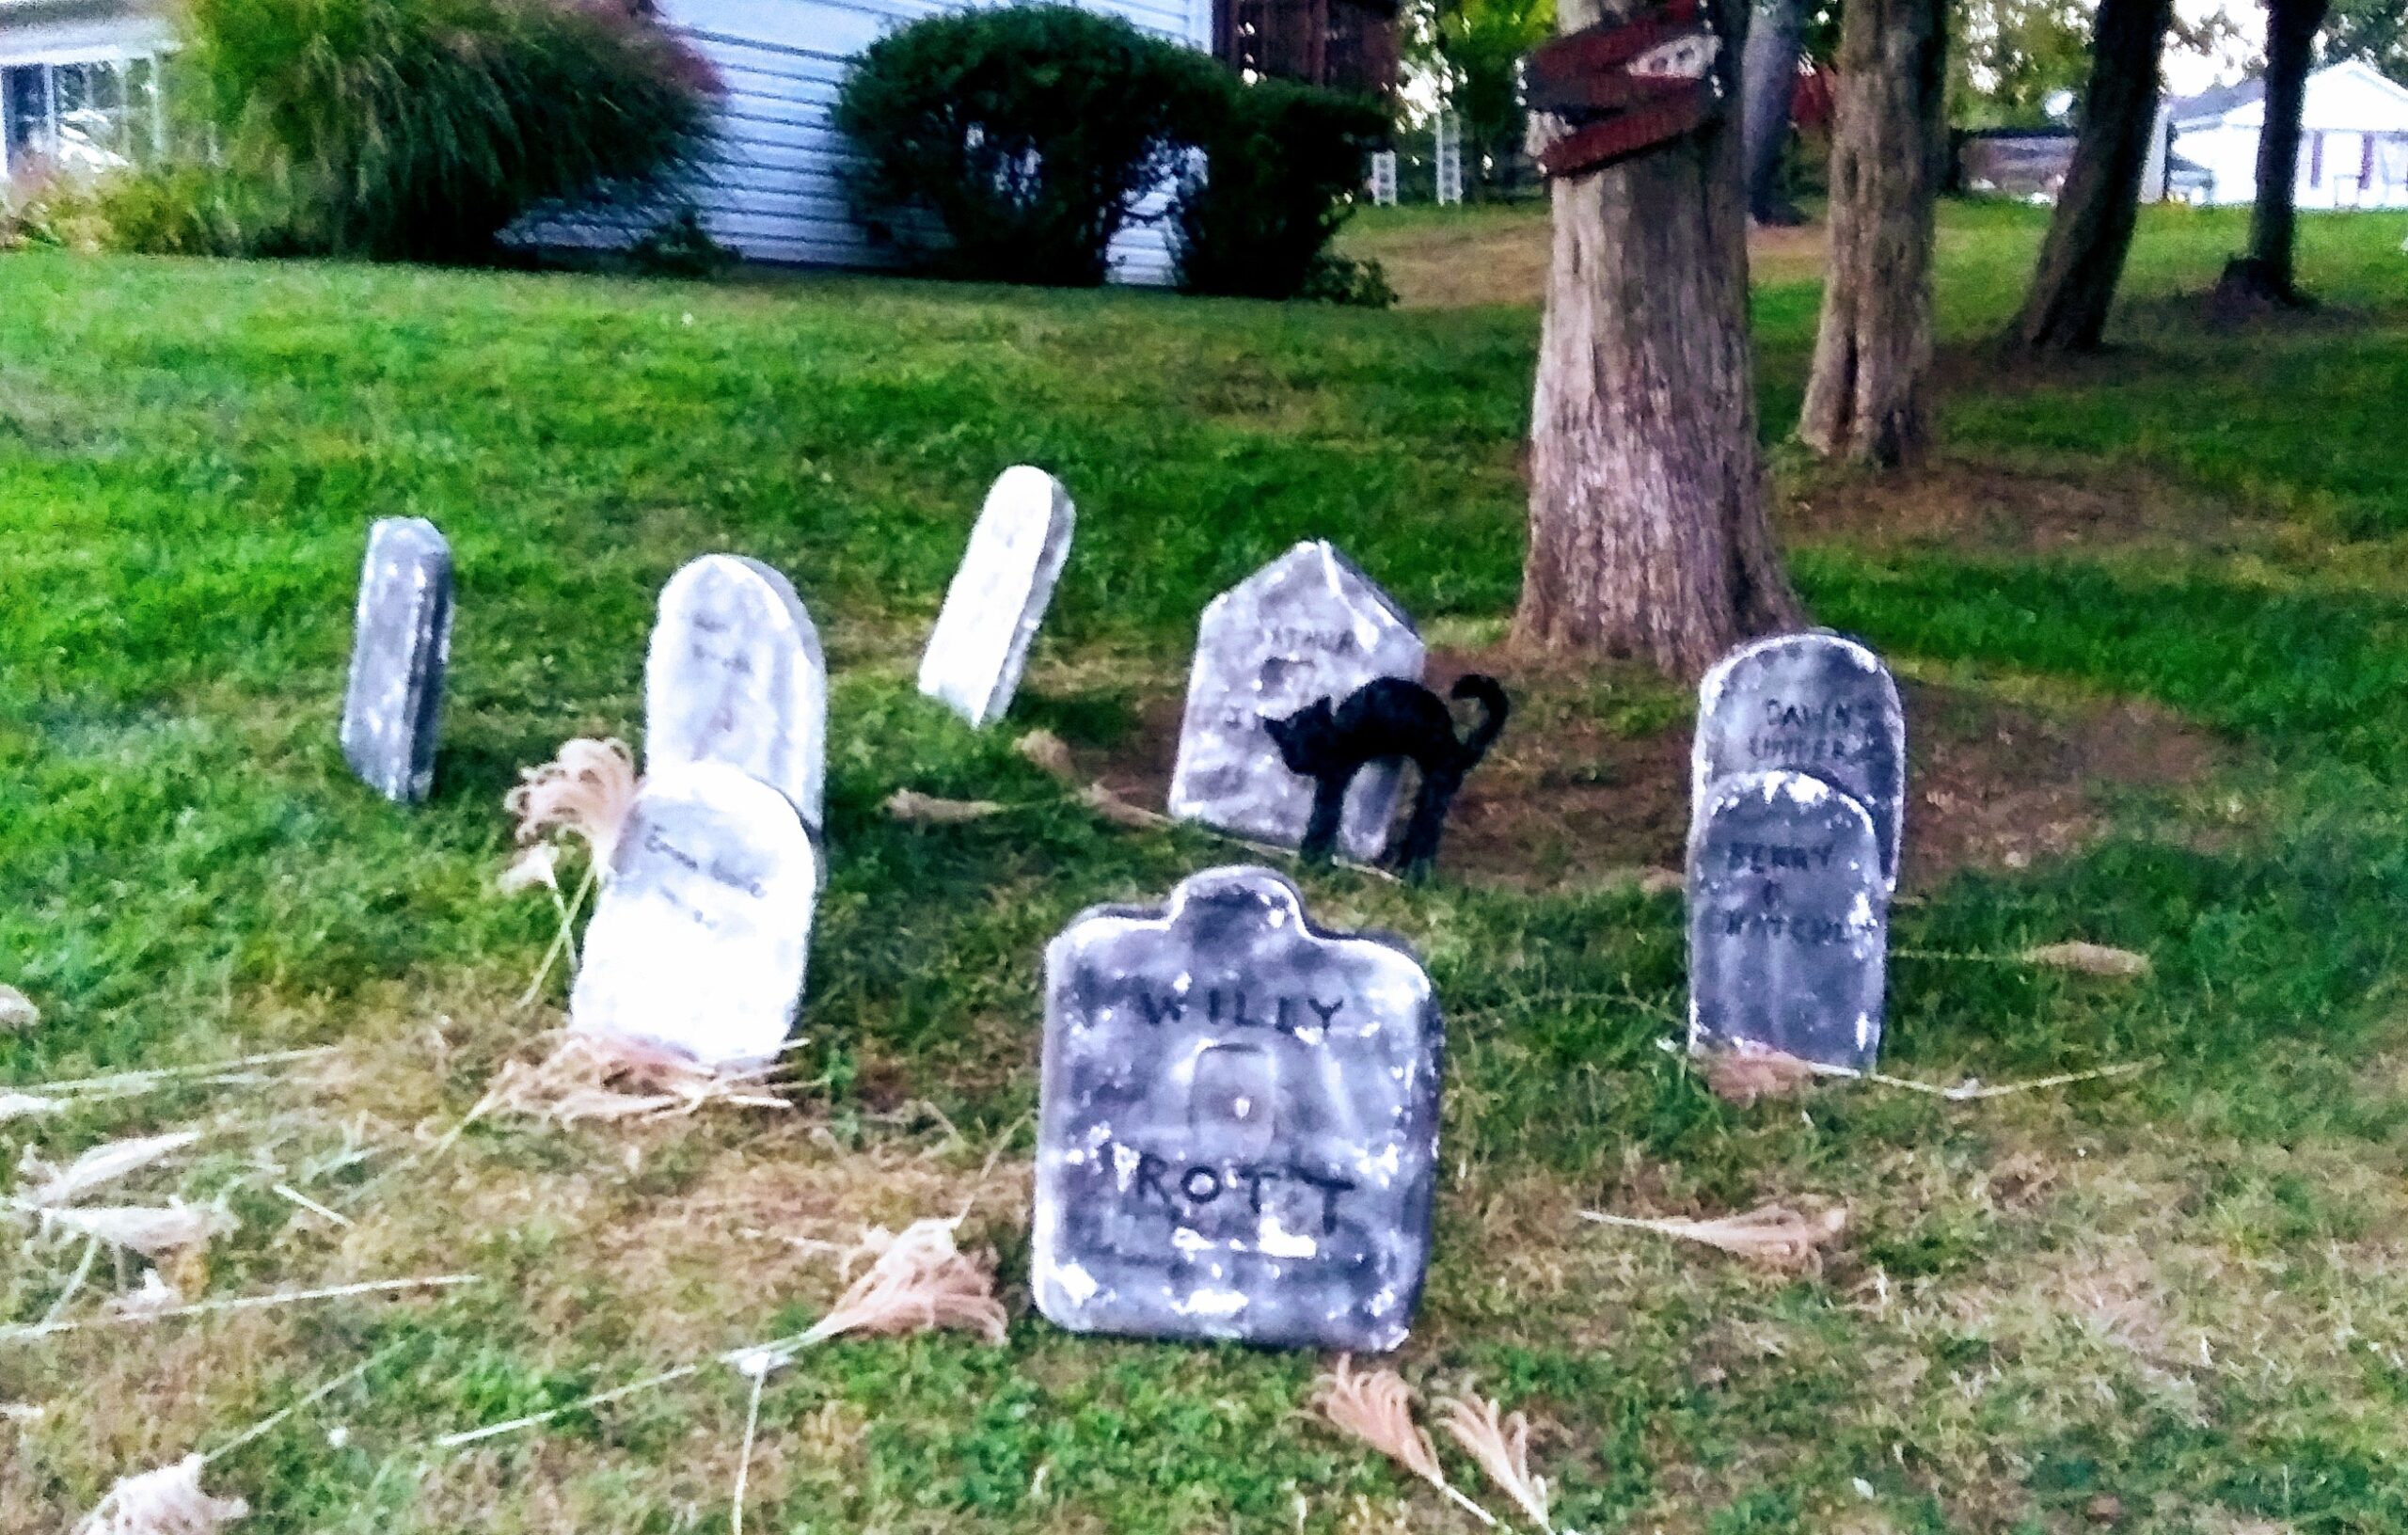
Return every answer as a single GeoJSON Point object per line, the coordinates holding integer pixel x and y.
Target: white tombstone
{"type": "Point", "coordinates": [1307, 627]}
{"type": "Point", "coordinates": [979, 647]}
{"type": "Point", "coordinates": [399, 650]}
{"type": "Point", "coordinates": [699, 942]}
{"type": "Point", "coordinates": [736, 675]}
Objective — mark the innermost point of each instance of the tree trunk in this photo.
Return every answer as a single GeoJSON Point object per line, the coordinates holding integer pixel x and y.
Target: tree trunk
{"type": "Point", "coordinates": [2267, 273]}
{"type": "Point", "coordinates": [1650, 534]}
{"type": "Point", "coordinates": [1769, 88]}
{"type": "Point", "coordinates": [2082, 259]}
{"type": "Point", "coordinates": [1867, 398]}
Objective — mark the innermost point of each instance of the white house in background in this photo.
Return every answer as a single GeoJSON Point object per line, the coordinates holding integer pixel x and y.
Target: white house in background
{"type": "Point", "coordinates": [82, 75]}
{"type": "Point", "coordinates": [2353, 152]}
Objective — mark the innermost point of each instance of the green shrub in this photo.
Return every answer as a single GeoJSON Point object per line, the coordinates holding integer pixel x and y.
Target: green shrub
{"type": "Point", "coordinates": [1012, 143]}
{"type": "Point", "coordinates": [421, 129]}
{"type": "Point", "coordinates": [181, 210]}
{"type": "Point", "coordinates": [1279, 162]}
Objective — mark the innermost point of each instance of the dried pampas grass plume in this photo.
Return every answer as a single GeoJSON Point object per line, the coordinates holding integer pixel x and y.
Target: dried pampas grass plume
{"type": "Point", "coordinates": [96, 1168]}
{"type": "Point", "coordinates": [1743, 1076]}
{"type": "Point", "coordinates": [1046, 750]}
{"type": "Point", "coordinates": [914, 808]}
{"type": "Point", "coordinates": [160, 1233]}
{"type": "Point", "coordinates": [1502, 1448]}
{"type": "Point", "coordinates": [167, 1501]}
{"type": "Point", "coordinates": [585, 792]}
{"type": "Point", "coordinates": [1772, 1236]}
{"type": "Point", "coordinates": [920, 1282]}
{"type": "Point", "coordinates": [1377, 1408]}
{"type": "Point", "coordinates": [2089, 959]}
{"type": "Point", "coordinates": [601, 1077]}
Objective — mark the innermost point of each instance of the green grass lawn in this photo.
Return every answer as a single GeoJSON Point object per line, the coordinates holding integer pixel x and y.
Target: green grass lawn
{"type": "Point", "coordinates": [2177, 1301]}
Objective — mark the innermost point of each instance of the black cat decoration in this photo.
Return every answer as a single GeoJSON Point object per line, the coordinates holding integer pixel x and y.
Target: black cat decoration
{"type": "Point", "coordinates": [1386, 719]}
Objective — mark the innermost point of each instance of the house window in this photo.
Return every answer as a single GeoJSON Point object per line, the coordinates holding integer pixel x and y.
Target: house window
{"type": "Point", "coordinates": [83, 115]}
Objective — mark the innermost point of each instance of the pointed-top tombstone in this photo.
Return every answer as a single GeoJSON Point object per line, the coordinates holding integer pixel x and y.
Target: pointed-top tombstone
{"type": "Point", "coordinates": [736, 675]}
{"type": "Point", "coordinates": [1815, 703]}
{"type": "Point", "coordinates": [1307, 627]}
{"type": "Point", "coordinates": [699, 942]}
{"type": "Point", "coordinates": [1789, 922]}
{"type": "Point", "coordinates": [979, 647]}
{"type": "Point", "coordinates": [401, 645]}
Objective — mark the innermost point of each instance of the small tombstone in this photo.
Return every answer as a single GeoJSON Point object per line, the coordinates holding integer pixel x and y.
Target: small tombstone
{"type": "Point", "coordinates": [1307, 627]}
{"type": "Point", "coordinates": [979, 647]}
{"type": "Point", "coordinates": [700, 938]}
{"type": "Point", "coordinates": [1238, 1129]}
{"type": "Point", "coordinates": [400, 647]}
{"type": "Point", "coordinates": [1818, 704]}
{"type": "Point", "coordinates": [736, 675]}
{"type": "Point", "coordinates": [1789, 922]}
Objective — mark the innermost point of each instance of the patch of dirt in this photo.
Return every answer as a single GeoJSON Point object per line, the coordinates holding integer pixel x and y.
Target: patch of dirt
{"type": "Point", "coordinates": [1974, 506]}
{"type": "Point", "coordinates": [1590, 784]}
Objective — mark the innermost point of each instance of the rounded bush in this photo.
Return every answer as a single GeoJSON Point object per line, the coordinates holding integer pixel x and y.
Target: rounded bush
{"type": "Point", "coordinates": [1257, 216]}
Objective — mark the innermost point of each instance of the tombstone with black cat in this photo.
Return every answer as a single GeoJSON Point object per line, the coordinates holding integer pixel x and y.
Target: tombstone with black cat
{"type": "Point", "coordinates": [401, 645]}
{"type": "Point", "coordinates": [1388, 720]}
{"type": "Point", "coordinates": [1308, 626]}
{"type": "Point", "coordinates": [1789, 922]}
{"type": "Point", "coordinates": [1815, 703]}
{"type": "Point", "coordinates": [1238, 1123]}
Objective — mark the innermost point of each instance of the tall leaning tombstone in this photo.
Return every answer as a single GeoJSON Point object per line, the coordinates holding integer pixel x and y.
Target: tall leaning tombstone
{"type": "Point", "coordinates": [1238, 1123]}
{"type": "Point", "coordinates": [979, 647]}
{"type": "Point", "coordinates": [1815, 703]}
{"type": "Point", "coordinates": [736, 675]}
{"type": "Point", "coordinates": [401, 646]}
{"type": "Point", "coordinates": [1789, 922]}
{"type": "Point", "coordinates": [699, 942]}
{"type": "Point", "coordinates": [1307, 627]}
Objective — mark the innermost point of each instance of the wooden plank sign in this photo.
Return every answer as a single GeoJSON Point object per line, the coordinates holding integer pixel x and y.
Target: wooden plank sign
{"type": "Point", "coordinates": [1625, 87]}
{"type": "Point", "coordinates": [1624, 136]}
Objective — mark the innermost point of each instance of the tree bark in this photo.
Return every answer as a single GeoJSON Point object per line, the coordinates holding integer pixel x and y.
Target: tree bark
{"type": "Point", "coordinates": [2082, 262]}
{"type": "Point", "coordinates": [1769, 88]}
{"type": "Point", "coordinates": [2268, 272]}
{"type": "Point", "coordinates": [1867, 398]}
{"type": "Point", "coordinates": [1649, 528]}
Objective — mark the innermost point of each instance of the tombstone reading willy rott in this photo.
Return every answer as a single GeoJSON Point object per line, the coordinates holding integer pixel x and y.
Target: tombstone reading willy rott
{"type": "Point", "coordinates": [401, 645]}
{"type": "Point", "coordinates": [1789, 922]}
{"type": "Point", "coordinates": [1307, 627]}
{"type": "Point", "coordinates": [1815, 703]}
{"type": "Point", "coordinates": [736, 675]}
{"type": "Point", "coordinates": [699, 940]}
{"type": "Point", "coordinates": [979, 646]}
{"type": "Point", "coordinates": [1238, 1124]}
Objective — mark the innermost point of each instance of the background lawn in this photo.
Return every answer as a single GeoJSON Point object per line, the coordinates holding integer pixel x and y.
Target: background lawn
{"type": "Point", "coordinates": [2153, 613]}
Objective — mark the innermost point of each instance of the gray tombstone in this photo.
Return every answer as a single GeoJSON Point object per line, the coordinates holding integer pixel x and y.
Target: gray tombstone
{"type": "Point", "coordinates": [401, 644]}
{"type": "Point", "coordinates": [979, 647]}
{"type": "Point", "coordinates": [1789, 922]}
{"type": "Point", "coordinates": [1815, 703]}
{"type": "Point", "coordinates": [1238, 1124]}
{"type": "Point", "coordinates": [736, 675]}
{"type": "Point", "coordinates": [699, 942]}
{"type": "Point", "coordinates": [1307, 627]}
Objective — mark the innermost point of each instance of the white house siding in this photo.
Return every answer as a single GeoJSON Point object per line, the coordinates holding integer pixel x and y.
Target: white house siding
{"type": "Point", "coordinates": [777, 192]}
{"type": "Point", "coordinates": [2353, 143]}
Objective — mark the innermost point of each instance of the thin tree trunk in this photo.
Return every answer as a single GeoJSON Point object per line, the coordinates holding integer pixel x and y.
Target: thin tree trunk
{"type": "Point", "coordinates": [1650, 534]}
{"type": "Point", "coordinates": [1866, 398]}
{"type": "Point", "coordinates": [2268, 272]}
{"type": "Point", "coordinates": [2073, 288]}
{"type": "Point", "coordinates": [1768, 88]}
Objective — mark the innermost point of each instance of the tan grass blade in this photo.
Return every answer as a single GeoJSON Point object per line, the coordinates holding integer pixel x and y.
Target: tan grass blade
{"type": "Point", "coordinates": [17, 1010]}
{"type": "Point", "coordinates": [19, 1105]}
{"type": "Point", "coordinates": [914, 808]}
{"type": "Point", "coordinates": [586, 791]}
{"type": "Point", "coordinates": [242, 1303]}
{"type": "Point", "coordinates": [2089, 959]}
{"type": "Point", "coordinates": [1376, 1408]}
{"type": "Point", "coordinates": [169, 1502]}
{"type": "Point", "coordinates": [157, 1232]}
{"type": "Point", "coordinates": [595, 1077]}
{"type": "Point", "coordinates": [1118, 811]}
{"type": "Point", "coordinates": [1048, 752]}
{"type": "Point", "coordinates": [1502, 1448]}
{"type": "Point", "coordinates": [920, 1282]}
{"type": "Point", "coordinates": [1773, 1236]}
{"type": "Point", "coordinates": [100, 1167]}
{"type": "Point", "coordinates": [1743, 1076]}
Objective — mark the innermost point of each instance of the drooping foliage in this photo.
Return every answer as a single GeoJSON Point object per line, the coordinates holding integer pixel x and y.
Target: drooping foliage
{"type": "Point", "coordinates": [1279, 160]}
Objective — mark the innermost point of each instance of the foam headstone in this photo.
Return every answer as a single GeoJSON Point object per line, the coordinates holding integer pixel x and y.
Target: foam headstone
{"type": "Point", "coordinates": [401, 645]}
{"type": "Point", "coordinates": [1238, 1129]}
{"type": "Point", "coordinates": [1818, 704]}
{"type": "Point", "coordinates": [1307, 627]}
{"type": "Point", "coordinates": [736, 675]}
{"type": "Point", "coordinates": [1789, 922]}
{"type": "Point", "coordinates": [979, 647]}
{"type": "Point", "coordinates": [699, 942]}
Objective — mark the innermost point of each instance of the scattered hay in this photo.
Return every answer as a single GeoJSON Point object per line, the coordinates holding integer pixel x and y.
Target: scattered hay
{"type": "Point", "coordinates": [590, 1076]}
{"type": "Point", "coordinates": [1376, 1408]}
{"type": "Point", "coordinates": [17, 1010]}
{"type": "Point", "coordinates": [920, 1282]}
{"type": "Point", "coordinates": [2089, 959]}
{"type": "Point", "coordinates": [173, 1233]}
{"type": "Point", "coordinates": [1743, 1076]}
{"type": "Point", "coordinates": [914, 808]}
{"type": "Point", "coordinates": [1502, 1448]}
{"type": "Point", "coordinates": [585, 792]}
{"type": "Point", "coordinates": [1771, 1236]}
{"type": "Point", "coordinates": [157, 1297]}
{"type": "Point", "coordinates": [242, 1302]}
{"type": "Point", "coordinates": [169, 1502]}
{"type": "Point", "coordinates": [1046, 750]}
{"type": "Point", "coordinates": [1119, 811]}
{"type": "Point", "coordinates": [96, 1168]}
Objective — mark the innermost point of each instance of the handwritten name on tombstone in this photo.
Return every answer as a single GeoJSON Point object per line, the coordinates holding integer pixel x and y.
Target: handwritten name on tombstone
{"type": "Point", "coordinates": [401, 645]}
{"type": "Point", "coordinates": [1818, 704]}
{"type": "Point", "coordinates": [736, 675]}
{"type": "Point", "coordinates": [699, 942]}
{"type": "Point", "coordinates": [979, 647]}
{"type": "Point", "coordinates": [1789, 922]}
{"type": "Point", "coordinates": [1307, 627]}
{"type": "Point", "coordinates": [1238, 1127]}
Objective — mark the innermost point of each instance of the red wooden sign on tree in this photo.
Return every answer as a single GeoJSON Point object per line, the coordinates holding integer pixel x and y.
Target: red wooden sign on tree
{"type": "Point", "coordinates": [1625, 87]}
